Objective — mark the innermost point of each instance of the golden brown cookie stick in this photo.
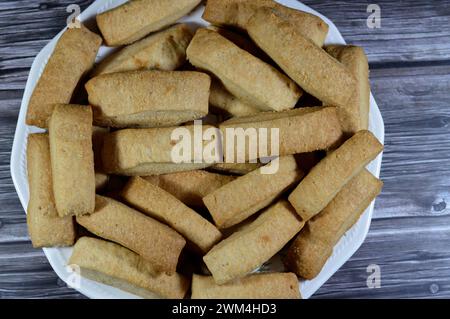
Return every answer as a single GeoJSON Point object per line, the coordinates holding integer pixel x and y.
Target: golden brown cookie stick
{"type": "Point", "coordinates": [119, 267]}
{"type": "Point", "coordinates": [237, 13]}
{"type": "Point", "coordinates": [241, 198]}
{"type": "Point", "coordinates": [224, 102]}
{"type": "Point", "coordinates": [73, 57]}
{"type": "Point", "coordinates": [190, 187]}
{"type": "Point", "coordinates": [346, 208]}
{"type": "Point", "coordinates": [152, 98]}
{"type": "Point", "coordinates": [244, 75]}
{"type": "Point", "coordinates": [135, 19]}
{"type": "Point", "coordinates": [257, 286]}
{"type": "Point", "coordinates": [98, 136]}
{"type": "Point", "coordinates": [300, 130]}
{"type": "Point", "coordinates": [154, 241]}
{"type": "Point", "coordinates": [249, 248]}
{"type": "Point", "coordinates": [146, 152]}
{"type": "Point", "coordinates": [46, 228]}
{"type": "Point", "coordinates": [355, 115]}
{"type": "Point", "coordinates": [157, 203]}
{"type": "Point", "coordinates": [307, 64]}
{"type": "Point", "coordinates": [72, 158]}
{"type": "Point", "coordinates": [165, 50]}
{"type": "Point", "coordinates": [312, 247]}
{"type": "Point", "coordinates": [328, 177]}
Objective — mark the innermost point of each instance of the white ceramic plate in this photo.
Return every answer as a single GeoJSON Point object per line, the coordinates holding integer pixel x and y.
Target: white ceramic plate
{"type": "Point", "coordinates": [58, 257]}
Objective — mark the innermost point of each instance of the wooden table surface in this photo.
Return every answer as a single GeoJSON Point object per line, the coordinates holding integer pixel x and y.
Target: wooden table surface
{"type": "Point", "coordinates": [410, 74]}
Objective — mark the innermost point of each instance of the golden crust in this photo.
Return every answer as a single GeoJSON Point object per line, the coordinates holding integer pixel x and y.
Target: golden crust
{"type": "Point", "coordinates": [245, 76]}
{"type": "Point", "coordinates": [236, 13]}
{"type": "Point", "coordinates": [72, 159]}
{"type": "Point", "coordinates": [355, 115]}
{"type": "Point", "coordinates": [328, 177]}
{"type": "Point", "coordinates": [163, 206]}
{"type": "Point", "coordinates": [145, 152]}
{"type": "Point", "coordinates": [257, 286]}
{"type": "Point", "coordinates": [117, 266]}
{"type": "Point", "coordinates": [190, 187]}
{"type": "Point", "coordinates": [165, 50]}
{"type": "Point", "coordinates": [153, 98]}
{"type": "Point", "coordinates": [248, 248]}
{"type": "Point", "coordinates": [308, 65]}
{"type": "Point", "coordinates": [46, 228]}
{"type": "Point", "coordinates": [300, 130]}
{"type": "Point", "coordinates": [306, 256]}
{"type": "Point", "coordinates": [312, 247]}
{"type": "Point", "coordinates": [241, 198]}
{"type": "Point", "coordinates": [157, 243]}
{"type": "Point", "coordinates": [135, 19]}
{"type": "Point", "coordinates": [73, 56]}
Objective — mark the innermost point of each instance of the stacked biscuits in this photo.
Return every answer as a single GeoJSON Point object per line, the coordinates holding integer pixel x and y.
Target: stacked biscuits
{"type": "Point", "coordinates": [103, 178]}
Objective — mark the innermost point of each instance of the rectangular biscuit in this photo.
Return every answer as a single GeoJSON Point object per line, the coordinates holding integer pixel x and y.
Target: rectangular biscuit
{"type": "Point", "coordinates": [236, 13]}
{"type": "Point", "coordinates": [223, 102]}
{"type": "Point", "coordinates": [298, 131]}
{"type": "Point", "coordinates": [241, 198]}
{"type": "Point", "coordinates": [257, 286]}
{"type": "Point", "coordinates": [244, 75]}
{"type": "Point", "coordinates": [306, 256]}
{"type": "Point", "coordinates": [72, 158]}
{"type": "Point", "coordinates": [157, 243]}
{"type": "Point", "coordinates": [248, 248]}
{"type": "Point", "coordinates": [313, 246]}
{"type": "Point", "coordinates": [145, 152]}
{"type": "Point", "coordinates": [119, 267]}
{"type": "Point", "coordinates": [308, 65]}
{"type": "Point", "coordinates": [135, 19]}
{"type": "Point", "coordinates": [328, 177]}
{"type": "Point", "coordinates": [152, 98]}
{"type": "Point", "coordinates": [190, 187]}
{"type": "Point", "coordinates": [73, 56]}
{"type": "Point", "coordinates": [46, 228]}
{"type": "Point", "coordinates": [101, 180]}
{"type": "Point", "coordinates": [355, 115]}
{"type": "Point", "coordinates": [165, 50]}
{"type": "Point", "coordinates": [161, 205]}
{"type": "Point", "coordinates": [243, 41]}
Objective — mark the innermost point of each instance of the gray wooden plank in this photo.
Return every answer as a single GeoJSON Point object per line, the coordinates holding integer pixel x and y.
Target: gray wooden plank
{"type": "Point", "coordinates": [413, 257]}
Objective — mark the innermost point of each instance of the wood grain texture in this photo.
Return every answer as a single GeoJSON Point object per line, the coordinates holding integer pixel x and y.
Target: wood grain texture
{"type": "Point", "coordinates": [413, 257]}
{"type": "Point", "coordinates": [413, 30]}
{"type": "Point", "coordinates": [410, 63]}
{"type": "Point", "coordinates": [416, 165]}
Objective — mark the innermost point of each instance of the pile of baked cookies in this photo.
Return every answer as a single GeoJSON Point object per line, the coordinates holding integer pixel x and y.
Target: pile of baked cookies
{"type": "Point", "coordinates": [103, 178]}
